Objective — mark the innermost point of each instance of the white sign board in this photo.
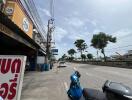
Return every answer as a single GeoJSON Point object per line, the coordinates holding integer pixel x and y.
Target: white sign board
{"type": "Point", "coordinates": [9, 10]}
{"type": "Point", "coordinates": [25, 24]}
{"type": "Point", "coordinates": [11, 76]}
{"type": "Point", "coordinates": [40, 60]}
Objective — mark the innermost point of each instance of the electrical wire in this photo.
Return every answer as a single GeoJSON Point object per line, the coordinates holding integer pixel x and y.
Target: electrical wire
{"type": "Point", "coordinates": [118, 47]}
{"type": "Point", "coordinates": [30, 7]}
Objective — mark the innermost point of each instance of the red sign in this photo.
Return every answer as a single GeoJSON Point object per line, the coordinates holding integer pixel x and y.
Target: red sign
{"type": "Point", "coordinates": [11, 76]}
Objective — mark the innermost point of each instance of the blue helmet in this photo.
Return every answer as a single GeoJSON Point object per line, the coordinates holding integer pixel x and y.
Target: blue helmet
{"type": "Point", "coordinates": [74, 78]}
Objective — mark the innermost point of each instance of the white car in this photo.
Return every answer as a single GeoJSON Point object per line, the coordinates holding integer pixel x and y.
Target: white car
{"type": "Point", "coordinates": [62, 64]}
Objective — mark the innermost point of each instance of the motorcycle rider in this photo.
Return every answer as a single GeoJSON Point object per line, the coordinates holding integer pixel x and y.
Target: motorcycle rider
{"type": "Point", "coordinates": [75, 91]}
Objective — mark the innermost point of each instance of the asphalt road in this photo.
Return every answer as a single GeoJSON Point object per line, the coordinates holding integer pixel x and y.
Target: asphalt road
{"type": "Point", "coordinates": [52, 85]}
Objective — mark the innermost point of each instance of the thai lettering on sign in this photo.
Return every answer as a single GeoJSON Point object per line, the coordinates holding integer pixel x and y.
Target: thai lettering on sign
{"type": "Point", "coordinates": [11, 76]}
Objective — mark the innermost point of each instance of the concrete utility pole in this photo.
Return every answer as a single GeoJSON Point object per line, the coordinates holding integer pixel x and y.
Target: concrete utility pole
{"type": "Point", "coordinates": [50, 29]}
{"type": "Point", "coordinates": [49, 38]}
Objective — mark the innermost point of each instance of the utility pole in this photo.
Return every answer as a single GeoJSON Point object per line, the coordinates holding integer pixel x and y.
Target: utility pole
{"type": "Point", "coordinates": [97, 55]}
{"type": "Point", "coordinates": [50, 28]}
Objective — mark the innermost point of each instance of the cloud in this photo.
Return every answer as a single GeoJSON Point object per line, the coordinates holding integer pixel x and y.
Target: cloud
{"type": "Point", "coordinates": [76, 22]}
{"type": "Point", "coordinates": [75, 36]}
{"type": "Point", "coordinates": [122, 33]}
{"type": "Point", "coordinates": [46, 12]}
{"type": "Point", "coordinates": [60, 33]}
{"type": "Point", "coordinates": [84, 18]}
{"type": "Point", "coordinates": [94, 23]}
{"type": "Point", "coordinates": [96, 31]}
{"type": "Point", "coordinates": [124, 40]}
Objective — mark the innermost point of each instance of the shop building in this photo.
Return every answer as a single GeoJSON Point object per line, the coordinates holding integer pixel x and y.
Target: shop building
{"type": "Point", "coordinates": [16, 33]}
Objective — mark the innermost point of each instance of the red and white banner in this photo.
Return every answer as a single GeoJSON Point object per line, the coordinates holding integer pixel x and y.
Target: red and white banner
{"type": "Point", "coordinates": [11, 76]}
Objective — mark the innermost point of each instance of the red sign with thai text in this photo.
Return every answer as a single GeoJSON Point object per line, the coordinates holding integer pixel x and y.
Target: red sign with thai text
{"type": "Point", "coordinates": [11, 76]}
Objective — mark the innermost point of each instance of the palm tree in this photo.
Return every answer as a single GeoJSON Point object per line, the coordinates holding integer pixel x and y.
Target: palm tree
{"type": "Point", "coordinates": [81, 45]}
{"type": "Point", "coordinates": [89, 56]}
{"type": "Point", "coordinates": [100, 41]}
{"type": "Point", "coordinates": [71, 52]}
{"type": "Point", "coordinates": [83, 56]}
{"type": "Point", "coordinates": [64, 57]}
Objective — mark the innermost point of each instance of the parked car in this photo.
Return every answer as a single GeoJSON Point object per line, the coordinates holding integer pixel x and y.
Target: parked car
{"type": "Point", "coordinates": [62, 64]}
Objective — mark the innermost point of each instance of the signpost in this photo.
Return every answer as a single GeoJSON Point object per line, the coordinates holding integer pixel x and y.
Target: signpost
{"type": "Point", "coordinates": [54, 51]}
{"type": "Point", "coordinates": [11, 76]}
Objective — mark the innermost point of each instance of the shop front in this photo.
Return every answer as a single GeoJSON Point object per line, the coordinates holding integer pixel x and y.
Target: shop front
{"type": "Point", "coordinates": [13, 41]}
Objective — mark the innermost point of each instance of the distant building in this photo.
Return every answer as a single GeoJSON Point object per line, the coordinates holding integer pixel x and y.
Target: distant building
{"type": "Point", "coordinates": [130, 52]}
{"type": "Point", "coordinates": [127, 56]}
{"type": "Point", "coordinates": [115, 57]}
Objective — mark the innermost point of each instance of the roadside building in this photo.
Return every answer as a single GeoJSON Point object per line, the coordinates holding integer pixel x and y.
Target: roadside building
{"type": "Point", "coordinates": [17, 33]}
{"type": "Point", "coordinates": [115, 57]}
{"type": "Point", "coordinates": [128, 55]}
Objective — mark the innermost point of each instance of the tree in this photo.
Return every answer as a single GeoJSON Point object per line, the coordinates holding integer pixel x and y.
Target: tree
{"type": "Point", "coordinates": [70, 58]}
{"type": "Point", "coordinates": [83, 56]}
{"type": "Point", "coordinates": [100, 41]}
{"type": "Point", "coordinates": [81, 45]}
{"type": "Point", "coordinates": [71, 52]}
{"type": "Point", "coordinates": [64, 57]}
{"type": "Point", "coordinates": [89, 56]}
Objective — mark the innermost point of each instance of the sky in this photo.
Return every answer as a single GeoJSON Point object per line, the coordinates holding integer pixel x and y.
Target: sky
{"type": "Point", "coordinates": [80, 19]}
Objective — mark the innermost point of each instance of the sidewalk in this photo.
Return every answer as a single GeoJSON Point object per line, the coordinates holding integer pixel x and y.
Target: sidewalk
{"type": "Point", "coordinates": [43, 86]}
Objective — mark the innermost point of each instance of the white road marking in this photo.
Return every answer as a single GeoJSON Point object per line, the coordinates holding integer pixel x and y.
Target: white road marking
{"type": "Point", "coordinates": [66, 86]}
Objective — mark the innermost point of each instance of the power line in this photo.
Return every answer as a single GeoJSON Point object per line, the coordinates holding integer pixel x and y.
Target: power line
{"type": "Point", "coordinates": [118, 47]}
{"type": "Point", "coordinates": [121, 38]}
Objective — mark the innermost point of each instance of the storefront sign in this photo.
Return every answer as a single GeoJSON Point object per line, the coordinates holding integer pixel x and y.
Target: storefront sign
{"type": "Point", "coordinates": [11, 76]}
{"type": "Point", "coordinates": [25, 24]}
{"type": "Point", "coordinates": [9, 10]}
{"type": "Point", "coordinates": [54, 51]}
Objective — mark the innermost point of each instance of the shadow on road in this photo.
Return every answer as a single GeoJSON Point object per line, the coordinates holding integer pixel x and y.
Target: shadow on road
{"type": "Point", "coordinates": [94, 94]}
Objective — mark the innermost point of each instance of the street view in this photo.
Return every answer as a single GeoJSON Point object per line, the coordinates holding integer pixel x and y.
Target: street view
{"type": "Point", "coordinates": [65, 50]}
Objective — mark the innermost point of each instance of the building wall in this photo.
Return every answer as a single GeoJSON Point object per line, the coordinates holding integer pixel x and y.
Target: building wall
{"type": "Point", "coordinates": [20, 18]}
{"type": "Point", "coordinates": [130, 52]}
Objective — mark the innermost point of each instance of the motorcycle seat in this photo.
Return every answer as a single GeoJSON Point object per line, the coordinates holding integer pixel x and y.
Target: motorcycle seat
{"type": "Point", "coordinates": [117, 89]}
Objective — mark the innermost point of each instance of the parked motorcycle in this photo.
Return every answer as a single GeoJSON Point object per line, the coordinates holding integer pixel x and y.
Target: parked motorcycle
{"type": "Point", "coordinates": [111, 90]}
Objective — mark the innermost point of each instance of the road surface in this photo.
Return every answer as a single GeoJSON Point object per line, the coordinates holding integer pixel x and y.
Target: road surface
{"type": "Point", "coordinates": [52, 85]}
